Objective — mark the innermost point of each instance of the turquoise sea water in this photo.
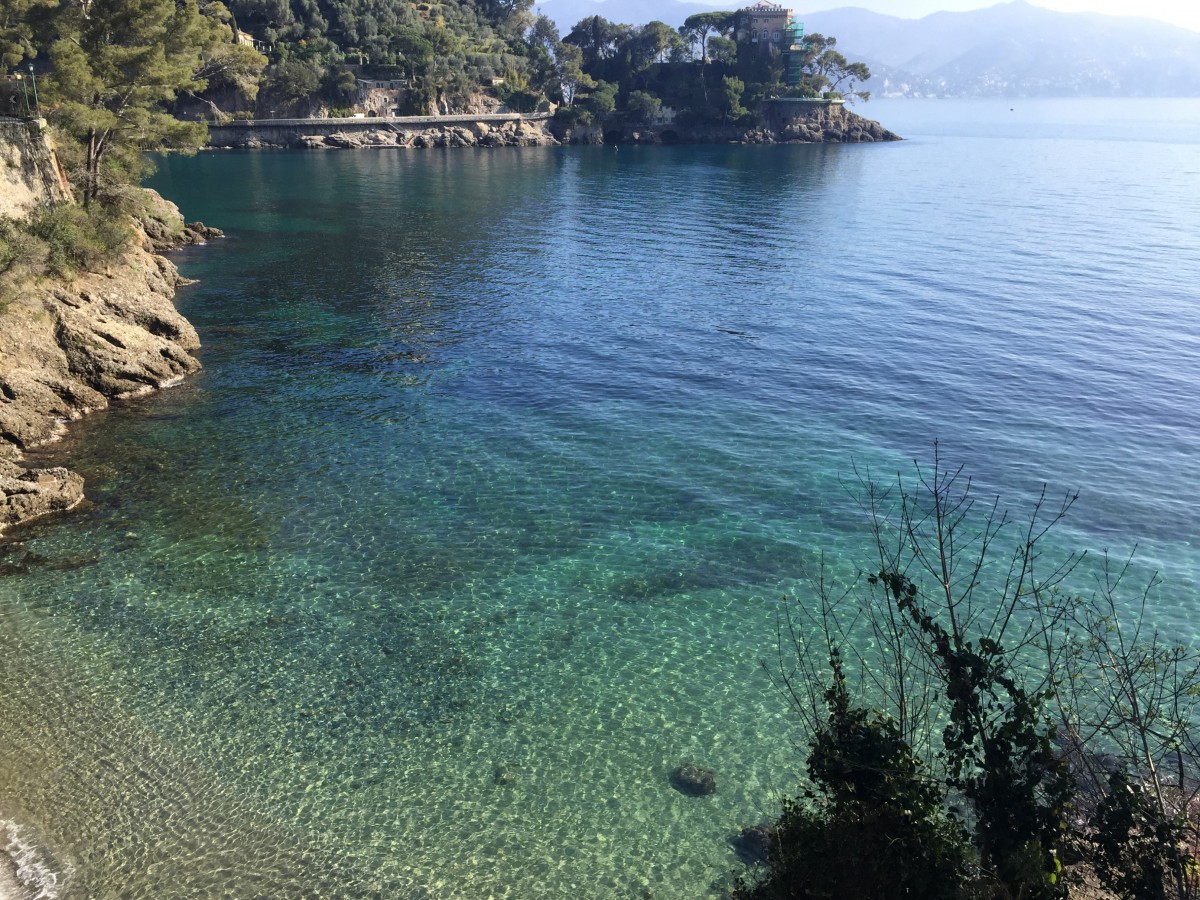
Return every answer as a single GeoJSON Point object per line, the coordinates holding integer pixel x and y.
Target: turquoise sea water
{"type": "Point", "coordinates": [476, 522]}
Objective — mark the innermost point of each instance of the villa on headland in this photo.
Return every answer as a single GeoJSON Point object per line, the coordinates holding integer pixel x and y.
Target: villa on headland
{"type": "Point", "coordinates": [765, 24]}
{"type": "Point", "coordinates": [770, 29]}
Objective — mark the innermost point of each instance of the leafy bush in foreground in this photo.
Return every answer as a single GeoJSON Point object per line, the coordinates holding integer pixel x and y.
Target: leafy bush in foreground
{"type": "Point", "coordinates": [1015, 722]}
{"type": "Point", "coordinates": [873, 825]}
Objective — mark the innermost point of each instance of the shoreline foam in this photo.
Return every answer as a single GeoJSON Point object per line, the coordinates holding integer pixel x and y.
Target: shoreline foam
{"type": "Point", "coordinates": [25, 874]}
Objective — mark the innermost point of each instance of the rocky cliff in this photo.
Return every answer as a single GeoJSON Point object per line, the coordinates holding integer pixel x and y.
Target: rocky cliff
{"type": "Point", "coordinates": [29, 169]}
{"type": "Point", "coordinates": [477, 134]}
{"type": "Point", "coordinates": [68, 348]}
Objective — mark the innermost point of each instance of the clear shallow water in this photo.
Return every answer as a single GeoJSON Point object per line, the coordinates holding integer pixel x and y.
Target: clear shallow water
{"type": "Point", "coordinates": [476, 522]}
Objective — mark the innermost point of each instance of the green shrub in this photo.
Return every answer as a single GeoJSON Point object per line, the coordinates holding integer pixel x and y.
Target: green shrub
{"type": "Point", "coordinates": [519, 101]}
{"type": "Point", "coordinates": [873, 825]}
{"type": "Point", "coordinates": [1139, 852]}
{"type": "Point", "coordinates": [642, 108]}
{"type": "Point", "coordinates": [20, 252]}
{"type": "Point", "coordinates": [570, 116]}
{"type": "Point", "coordinates": [998, 741]}
{"type": "Point", "coordinates": [78, 239]}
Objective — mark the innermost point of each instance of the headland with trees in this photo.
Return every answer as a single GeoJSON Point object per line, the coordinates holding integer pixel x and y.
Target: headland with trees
{"type": "Point", "coordinates": [174, 66]}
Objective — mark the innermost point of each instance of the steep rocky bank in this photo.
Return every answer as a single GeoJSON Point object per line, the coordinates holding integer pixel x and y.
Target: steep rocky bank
{"type": "Point", "coordinates": [69, 348]}
{"type": "Point", "coordinates": [830, 124]}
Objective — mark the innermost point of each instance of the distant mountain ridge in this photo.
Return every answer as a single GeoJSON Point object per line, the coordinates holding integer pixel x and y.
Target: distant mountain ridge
{"type": "Point", "coordinates": [1012, 49]}
{"type": "Point", "coordinates": [1016, 49]}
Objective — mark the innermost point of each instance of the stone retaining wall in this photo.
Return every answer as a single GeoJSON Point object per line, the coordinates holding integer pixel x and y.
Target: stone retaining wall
{"type": "Point", "coordinates": [495, 130]}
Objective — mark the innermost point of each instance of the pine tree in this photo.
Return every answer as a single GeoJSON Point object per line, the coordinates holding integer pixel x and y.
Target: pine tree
{"type": "Point", "coordinates": [116, 64]}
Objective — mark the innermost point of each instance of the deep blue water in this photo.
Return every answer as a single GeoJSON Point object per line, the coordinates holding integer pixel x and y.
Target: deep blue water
{"type": "Point", "coordinates": [477, 521]}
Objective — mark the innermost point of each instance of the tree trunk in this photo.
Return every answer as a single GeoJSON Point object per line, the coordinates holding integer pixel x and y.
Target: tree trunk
{"type": "Point", "coordinates": [91, 169]}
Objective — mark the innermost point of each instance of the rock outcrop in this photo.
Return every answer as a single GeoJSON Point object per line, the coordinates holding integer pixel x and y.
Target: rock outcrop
{"type": "Point", "coordinates": [163, 228]}
{"type": "Point", "coordinates": [753, 843]}
{"type": "Point", "coordinates": [779, 122]}
{"type": "Point", "coordinates": [477, 134]}
{"type": "Point", "coordinates": [819, 124]}
{"type": "Point", "coordinates": [67, 349]}
{"type": "Point", "coordinates": [29, 169]}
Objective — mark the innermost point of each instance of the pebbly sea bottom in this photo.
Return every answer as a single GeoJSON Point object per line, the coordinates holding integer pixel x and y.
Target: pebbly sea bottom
{"type": "Point", "coordinates": [477, 522]}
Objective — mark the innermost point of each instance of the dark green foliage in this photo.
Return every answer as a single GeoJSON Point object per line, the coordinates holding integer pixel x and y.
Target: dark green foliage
{"type": "Point", "coordinates": [78, 239]}
{"type": "Point", "coordinates": [118, 96]}
{"type": "Point", "coordinates": [723, 50]}
{"type": "Point", "coordinates": [972, 649]}
{"type": "Point", "coordinates": [974, 646]}
{"type": "Point", "coordinates": [872, 828]}
{"type": "Point", "coordinates": [1139, 852]}
{"type": "Point", "coordinates": [289, 84]}
{"type": "Point", "coordinates": [642, 108]}
{"type": "Point", "coordinates": [998, 751]}
{"type": "Point", "coordinates": [597, 38]}
{"type": "Point", "coordinates": [827, 70]}
{"type": "Point", "coordinates": [569, 116]}
{"type": "Point", "coordinates": [698, 27]}
{"type": "Point", "coordinates": [602, 100]}
{"type": "Point", "coordinates": [118, 64]}
{"type": "Point", "coordinates": [339, 88]}
{"type": "Point", "coordinates": [731, 98]}
{"type": "Point", "coordinates": [519, 100]}
{"type": "Point", "coordinates": [701, 72]}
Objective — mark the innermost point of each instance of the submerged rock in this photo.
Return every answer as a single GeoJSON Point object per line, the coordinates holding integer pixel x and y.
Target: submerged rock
{"type": "Point", "coordinates": [505, 774]}
{"type": "Point", "coordinates": [693, 780]}
{"type": "Point", "coordinates": [753, 843]}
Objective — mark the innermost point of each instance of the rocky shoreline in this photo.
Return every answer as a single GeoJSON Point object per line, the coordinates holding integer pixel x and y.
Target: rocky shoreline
{"type": "Point", "coordinates": [828, 124]}
{"type": "Point", "coordinates": [72, 348]}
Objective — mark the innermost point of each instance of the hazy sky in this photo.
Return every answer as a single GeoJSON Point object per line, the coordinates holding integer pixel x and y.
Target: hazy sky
{"type": "Point", "coordinates": [1178, 12]}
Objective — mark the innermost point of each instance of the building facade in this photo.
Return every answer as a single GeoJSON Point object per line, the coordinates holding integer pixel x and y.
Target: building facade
{"type": "Point", "coordinates": [763, 25]}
